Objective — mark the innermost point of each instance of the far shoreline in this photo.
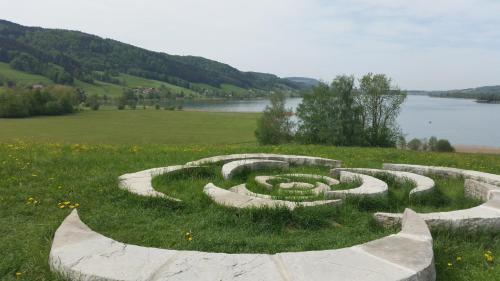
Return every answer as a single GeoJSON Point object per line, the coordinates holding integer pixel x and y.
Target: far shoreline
{"type": "Point", "coordinates": [482, 149]}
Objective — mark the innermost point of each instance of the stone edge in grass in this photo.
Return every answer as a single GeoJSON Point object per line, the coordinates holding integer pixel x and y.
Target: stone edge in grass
{"type": "Point", "coordinates": [79, 253]}
{"type": "Point", "coordinates": [480, 185]}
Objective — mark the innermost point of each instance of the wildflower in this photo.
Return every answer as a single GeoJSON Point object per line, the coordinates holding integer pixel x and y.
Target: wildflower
{"type": "Point", "coordinates": [189, 236]}
{"type": "Point", "coordinates": [450, 264]}
{"type": "Point", "coordinates": [34, 175]}
{"type": "Point", "coordinates": [488, 255]}
{"type": "Point", "coordinates": [135, 149]}
{"type": "Point", "coordinates": [66, 202]}
{"type": "Point", "coordinates": [77, 205]}
{"type": "Point", "coordinates": [459, 258]}
{"type": "Point", "coordinates": [18, 274]}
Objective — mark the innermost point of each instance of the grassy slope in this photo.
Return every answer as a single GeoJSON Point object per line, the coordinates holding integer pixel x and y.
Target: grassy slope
{"type": "Point", "coordinates": [20, 76]}
{"type": "Point", "coordinates": [99, 87]}
{"type": "Point", "coordinates": [135, 126]}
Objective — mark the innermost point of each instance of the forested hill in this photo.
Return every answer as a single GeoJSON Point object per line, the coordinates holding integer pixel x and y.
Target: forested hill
{"type": "Point", "coordinates": [64, 55]}
{"type": "Point", "coordinates": [485, 93]}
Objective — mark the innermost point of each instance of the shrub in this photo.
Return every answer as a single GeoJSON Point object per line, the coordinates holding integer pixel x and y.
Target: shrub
{"type": "Point", "coordinates": [444, 146]}
{"type": "Point", "coordinates": [157, 106]}
{"type": "Point", "coordinates": [93, 102]}
{"type": "Point", "coordinates": [415, 144]}
{"type": "Point", "coordinates": [13, 105]}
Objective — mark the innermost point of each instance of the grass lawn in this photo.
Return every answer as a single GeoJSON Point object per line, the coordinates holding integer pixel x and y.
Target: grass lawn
{"type": "Point", "coordinates": [138, 126]}
{"type": "Point", "coordinates": [78, 158]}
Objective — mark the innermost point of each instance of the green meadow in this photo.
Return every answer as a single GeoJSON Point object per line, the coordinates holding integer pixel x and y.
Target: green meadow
{"type": "Point", "coordinates": [45, 161]}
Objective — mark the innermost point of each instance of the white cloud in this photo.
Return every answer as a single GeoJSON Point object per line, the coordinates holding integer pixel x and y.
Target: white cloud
{"type": "Point", "coordinates": [422, 44]}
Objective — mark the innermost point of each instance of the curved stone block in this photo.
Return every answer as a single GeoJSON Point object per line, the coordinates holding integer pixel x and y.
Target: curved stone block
{"type": "Point", "coordinates": [81, 254]}
{"type": "Point", "coordinates": [264, 181]}
{"type": "Point", "coordinates": [446, 171]}
{"type": "Point", "coordinates": [423, 184]}
{"type": "Point", "coordinates": [477, 184]}
{"type": "Point", "coordinates": [231, 169]}
{"type": "Point", "coordinates": [370, 186]}
{"type": "Point", "coordinates": [480, 190]}
{"type": "Point", "coordinates": [485, 217]}
{"type": "Point", "coordinates": [140, 182]}
{"type": "Point", "coordinates": [241, 200]}
{"type": "Point", "coordinates": [328, 180]}
{"type": "Point", "coordinates": [291, 159]}
{"type": "Point", "coordinates": [298, 185]}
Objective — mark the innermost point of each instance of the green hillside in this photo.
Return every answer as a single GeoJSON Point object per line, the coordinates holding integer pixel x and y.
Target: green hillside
{"type": "Point", "coordinates": [66, 56]}
{"type": "Point", "coordinates": [96, 87]}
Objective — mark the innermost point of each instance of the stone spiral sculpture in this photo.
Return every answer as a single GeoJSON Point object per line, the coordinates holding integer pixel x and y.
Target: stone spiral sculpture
{"type": "Point", "coordinates": [82, 254]}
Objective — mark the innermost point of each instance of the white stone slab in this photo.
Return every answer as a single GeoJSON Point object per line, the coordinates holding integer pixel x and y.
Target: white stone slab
{"type": "Point", "coordinates": [370, 186]}
{"type": "Point", "coordinates": [485, 217]}
{"type": "Point", "coordinates": [446, 171]}
{"type": "Point", "coordinates": [81, 254]}
{"type": "Point", "coordinates": [291, 159]}
{"type": "Point", "coordinates": [330, 181]}
{"type": "Point", "coordinates": [241, 200]}
{"type": "Point", "coordinates": [231, 169]}
{"type": "Point", "coordinates": [264, 181]}
{"type": "Point", "coordinates": [140, 183]}
{"type": "Point", "coordinates": [298, 185]}
{"type": "Point", "coordinates": [423, 184]}
{"type": "Point", "coordinates": [480, 190]}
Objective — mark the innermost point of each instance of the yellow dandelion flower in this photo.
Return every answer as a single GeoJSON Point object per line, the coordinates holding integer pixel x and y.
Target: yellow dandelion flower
{"type": "Point", "coordinates": [66, 202]}
{"type": "Point", "coordinates": [62, 206]}
{"type": "Point", "coordinates": [459, 258]}
{"type": "Point", "coordinates": [31, 199]}
{"type": "Point", "coordinates": [34, 175]}
{"type": "Point", "coordinates": [71, 206]}
{"type": "Point", "coordinates": [77, 205]}
{"type": "Point", "coordinates": [18, 274]}
{"type": "Point", "coordinates": [450, 264]}
{"type": "Point", "coordinates": [189, 236]}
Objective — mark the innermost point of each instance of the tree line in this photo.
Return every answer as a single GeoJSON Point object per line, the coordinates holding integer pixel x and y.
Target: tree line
{"type": "Point", "coordinates": [340, 113]}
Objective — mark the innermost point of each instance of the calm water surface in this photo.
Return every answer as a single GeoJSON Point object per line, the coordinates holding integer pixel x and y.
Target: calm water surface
{"type": "Point", "coordinates": [459, 120]}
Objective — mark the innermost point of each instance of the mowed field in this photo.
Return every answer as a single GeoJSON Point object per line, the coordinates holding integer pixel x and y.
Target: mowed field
{"type": "Point", "coordinates": [138, 126]}
{"type": "Point", "coordinates": [47, 161]}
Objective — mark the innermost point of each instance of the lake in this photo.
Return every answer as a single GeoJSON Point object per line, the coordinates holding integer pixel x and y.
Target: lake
{"type": "Point", "coordinates": [459, 120]}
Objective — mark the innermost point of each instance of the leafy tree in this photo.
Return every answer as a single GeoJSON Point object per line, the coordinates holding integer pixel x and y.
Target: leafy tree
{"type": "Point", "coordinates": [350, 128]}
{"type": "Point", "coordinates": [381, 103]}
{"type": "Point", "coordinates": [317, 119]}
{"type": "Point", "coordinates": [330, 114]}
{"type": "Point", "coordinates": [433, 143]}
{"type": "Point", "coordinates": [444, 146]}
{"type": "Point", "coordinates": [21, 102]}
{"type": "Point", "coordinates": [275, 126]}
{"type": "Point", "coordinates": [415, 144]}
{"type": "Point", "coordinates": [93, 102]}
{"type": "Point", "coordinates": [13, 105]}
{"type": "Point", "coordinates": [27, 63]}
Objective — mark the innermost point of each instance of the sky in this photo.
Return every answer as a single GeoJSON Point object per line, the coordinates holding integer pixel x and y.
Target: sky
{"type": "Point", "coordinates": [422, 44]}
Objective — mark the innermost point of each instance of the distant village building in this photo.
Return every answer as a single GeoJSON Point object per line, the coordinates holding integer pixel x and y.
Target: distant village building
{"type": "Point", "coordinates": [145, 90]}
